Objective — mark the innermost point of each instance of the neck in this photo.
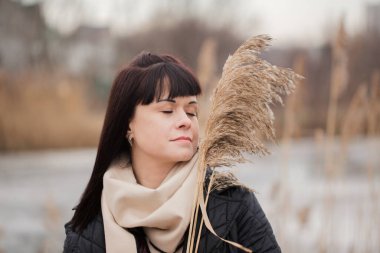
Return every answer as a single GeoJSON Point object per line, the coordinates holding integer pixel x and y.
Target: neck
{"type": "Point", "coordinates": [148, 171]}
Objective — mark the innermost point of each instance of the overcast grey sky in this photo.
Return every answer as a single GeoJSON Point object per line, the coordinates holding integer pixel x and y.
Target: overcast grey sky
{"type": "Point", "coordinates": [299, 22]}
{"type": "Point", "coordinates": [310, 21]}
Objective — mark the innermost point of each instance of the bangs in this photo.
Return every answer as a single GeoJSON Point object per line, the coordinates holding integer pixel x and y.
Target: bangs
{"type": "Point", "coordinates": [166, 78]}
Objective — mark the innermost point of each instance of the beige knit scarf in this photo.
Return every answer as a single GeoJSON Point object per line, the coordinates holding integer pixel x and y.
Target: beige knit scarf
{"type": "Point", "coordinates": [164, 212]}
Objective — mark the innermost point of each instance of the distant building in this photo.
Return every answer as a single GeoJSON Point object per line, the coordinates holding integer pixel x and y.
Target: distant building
{"type": "Point", "coordinates": [27, 42]}
{"type": "Point", "coordinates": [88, 50]}
{"type": "Point", "coordinates": [22, 36]}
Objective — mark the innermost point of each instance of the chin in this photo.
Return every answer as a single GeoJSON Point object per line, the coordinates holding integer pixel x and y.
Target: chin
{"type": "Point", "coordinates": [184, 156]}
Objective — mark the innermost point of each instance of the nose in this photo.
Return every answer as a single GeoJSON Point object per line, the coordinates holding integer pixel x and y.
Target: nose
{"type": "Point", "coordinates": [183, 120]}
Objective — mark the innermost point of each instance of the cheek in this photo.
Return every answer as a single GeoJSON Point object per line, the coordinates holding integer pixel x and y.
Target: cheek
{"type": "Point", "coordinates": [196, 134]}
{"type": "Point", "coordinates": [152, 130]}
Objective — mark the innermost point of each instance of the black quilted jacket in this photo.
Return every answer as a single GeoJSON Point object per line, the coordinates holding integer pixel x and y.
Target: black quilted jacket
{"type": "Point", "coordinates": [234, 213]}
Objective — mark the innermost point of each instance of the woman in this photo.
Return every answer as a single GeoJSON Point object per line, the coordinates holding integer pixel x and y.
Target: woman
{"type": "Point", "coordinates": [139, 197]}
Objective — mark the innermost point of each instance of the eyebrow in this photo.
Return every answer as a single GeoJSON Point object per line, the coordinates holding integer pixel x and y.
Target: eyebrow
{"type": "Point", "coordinates": [173, 101]}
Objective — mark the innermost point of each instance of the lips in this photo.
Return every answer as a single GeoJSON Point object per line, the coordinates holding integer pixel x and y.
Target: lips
{"type": "Point", "coordinates": [182, 138]}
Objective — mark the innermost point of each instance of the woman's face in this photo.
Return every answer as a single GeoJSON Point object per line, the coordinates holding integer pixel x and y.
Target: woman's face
{"type": "Point", "coordinates": [166, 130]}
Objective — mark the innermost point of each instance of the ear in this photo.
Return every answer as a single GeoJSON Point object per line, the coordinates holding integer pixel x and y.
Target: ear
{"type": "Point", "coordinates": [131, 126]}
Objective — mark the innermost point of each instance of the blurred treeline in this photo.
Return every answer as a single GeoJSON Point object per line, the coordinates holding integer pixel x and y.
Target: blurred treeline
{"type": "Point", "coordinates": [54, 87]}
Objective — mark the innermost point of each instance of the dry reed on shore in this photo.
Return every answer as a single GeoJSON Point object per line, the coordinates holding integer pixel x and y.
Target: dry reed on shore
{"type": "Point", "coordinates": [338, 84]}
{"type": "Point", "coordinates": [42, 110]}
{"type": "Point", "coordinates": [373, 118]}
{"type": "Point", "coordinates": [360, 117]}
{"type": "Point", "coordinates": [290, 129]}
{"type": "Point", "coordinates": [52, 223]}
{"type": "Point", "coordinates": [374, 104]}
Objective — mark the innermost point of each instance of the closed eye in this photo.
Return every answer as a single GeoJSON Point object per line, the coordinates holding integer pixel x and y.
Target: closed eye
{"type": "Point", "coordinates": [191, 114]}
{"type": "Point", "coordinates": [188, 113]}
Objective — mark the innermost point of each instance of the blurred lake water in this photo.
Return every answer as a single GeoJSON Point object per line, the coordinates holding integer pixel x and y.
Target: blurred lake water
{"type": "Point", "coordinates": [306, 208]}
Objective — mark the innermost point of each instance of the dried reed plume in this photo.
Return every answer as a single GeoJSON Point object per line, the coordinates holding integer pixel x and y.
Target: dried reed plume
{"type": "Point", "coordinates": [294, 103]}
{"type": "Point", "coordinates": [353, 124]}
{"type": "Point", "coordinates": [374, 104]}
{"type": "Point", "coordinates": [339, 77]}
{"type": "Point", "coordinates": [207, 64]}
{"type": "Point", "coordinates": [240, 116]}
{"type": "Point", "coordinates": [206, 72]}
{"type": "Point", "coordinates": [240, 109]}
{"type": "Point", "coordinates": [354, 120]}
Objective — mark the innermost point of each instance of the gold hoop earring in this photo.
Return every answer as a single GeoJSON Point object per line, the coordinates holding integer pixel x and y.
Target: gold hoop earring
{"type": "Point", "coordinates": [129, 138]}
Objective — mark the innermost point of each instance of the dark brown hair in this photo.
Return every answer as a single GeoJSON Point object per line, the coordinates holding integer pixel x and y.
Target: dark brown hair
{"type": "Point", "coordinates": [142, 81]}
